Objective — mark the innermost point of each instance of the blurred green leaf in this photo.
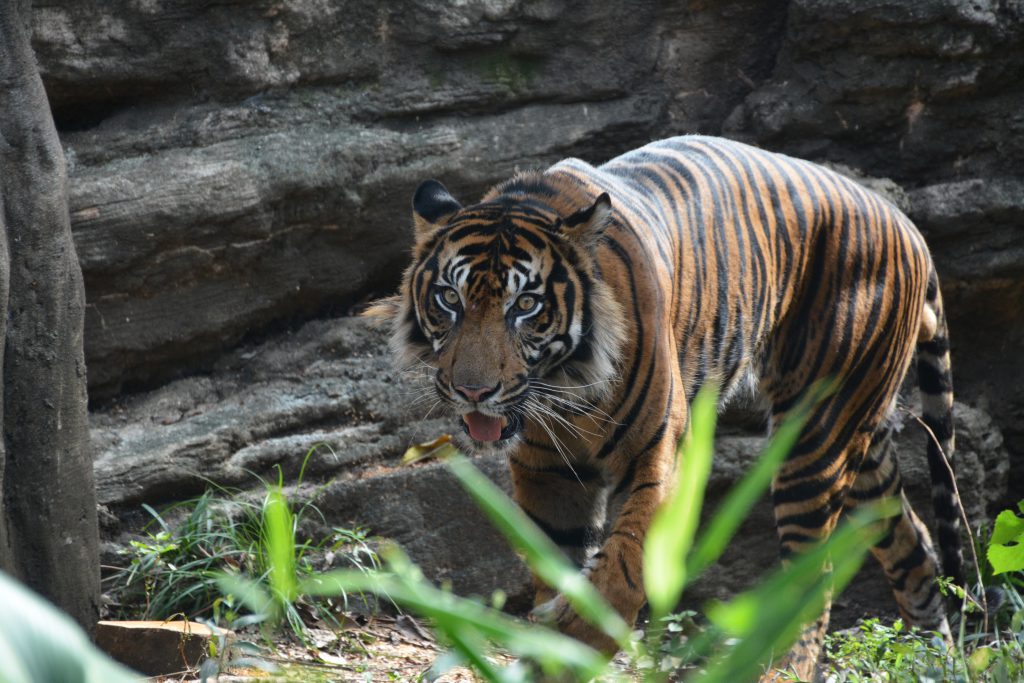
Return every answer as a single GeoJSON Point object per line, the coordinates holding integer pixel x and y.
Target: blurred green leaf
{"type": "Point", "coordinates": [280, 546]}
{"type": "Point", "coordinates": [251, 593]}
{"type": "Point", "coordinates": [39, 644]}
{"type": "Point", "coordinates": [1008, 526]}
{"type": "Point", "coordinates": [540, 552]}
{"type": "Point", "coordinates": [1006, 549]}
{"type": "Point", "coordinates": [457, 618]}
{"type": "Point", "coordinates": [737, 503]}
{"type": "Point", "coordinates": [981, 659]}
{"type": "Point", "coordinates": [768, 618]}
{"type": "Point", "coordinates": [672, 529]}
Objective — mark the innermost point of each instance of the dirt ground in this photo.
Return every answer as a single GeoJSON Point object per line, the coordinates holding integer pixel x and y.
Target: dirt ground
{"type": "Point", "coordinates": [382, 648]}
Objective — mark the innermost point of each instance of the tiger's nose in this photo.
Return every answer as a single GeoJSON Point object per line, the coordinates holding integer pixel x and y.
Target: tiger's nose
{"type": "Point", "coordinates": [473, 392]}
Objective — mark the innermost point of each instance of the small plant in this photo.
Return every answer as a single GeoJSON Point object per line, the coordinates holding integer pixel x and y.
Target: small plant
{"type": "Point", "coordinates": [174, 570]}
{"type": "Point", "coordinates": [988, 648]}
{"type": "Point", "coordinates": [874, 651]}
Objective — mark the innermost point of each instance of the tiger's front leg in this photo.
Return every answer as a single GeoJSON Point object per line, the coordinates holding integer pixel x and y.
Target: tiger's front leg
{"type": "Point", "coordinates": [616, 568]}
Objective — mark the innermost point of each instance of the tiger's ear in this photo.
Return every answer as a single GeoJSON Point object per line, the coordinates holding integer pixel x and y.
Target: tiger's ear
{"type": "Point", "coordinates": [586, 226]}
{"type": "Point", "coordinates": [431, 203]}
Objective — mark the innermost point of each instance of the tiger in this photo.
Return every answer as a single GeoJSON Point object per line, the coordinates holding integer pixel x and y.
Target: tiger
{"type": "Point", "coordinates": [569, 317]}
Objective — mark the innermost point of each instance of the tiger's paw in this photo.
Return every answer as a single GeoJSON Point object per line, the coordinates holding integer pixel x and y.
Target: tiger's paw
{"type": "Point", "coordinates": [559, 614]}
{"type": "Point", "coordinates": [550, 611]}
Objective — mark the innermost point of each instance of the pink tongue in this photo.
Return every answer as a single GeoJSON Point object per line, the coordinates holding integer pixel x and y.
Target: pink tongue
{"type": "Point", "coordinates": [483, 427]}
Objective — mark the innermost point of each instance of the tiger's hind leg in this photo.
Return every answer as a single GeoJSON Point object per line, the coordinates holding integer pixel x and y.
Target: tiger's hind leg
{"type": "Point", "coordinates": [905, 551]}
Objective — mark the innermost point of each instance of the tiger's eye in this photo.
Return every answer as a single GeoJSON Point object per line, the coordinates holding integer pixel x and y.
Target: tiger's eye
{"type": "Point", "coordinates": [526, 302]}
{"type": "Point", "coordinates": [450, 296]}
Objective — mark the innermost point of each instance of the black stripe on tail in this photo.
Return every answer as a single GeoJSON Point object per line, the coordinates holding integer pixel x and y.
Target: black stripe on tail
{"type": "Point", "coordinates": [935, 382]}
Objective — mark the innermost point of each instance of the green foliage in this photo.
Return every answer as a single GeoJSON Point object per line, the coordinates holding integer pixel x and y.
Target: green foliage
{"type": "Point", "coordinates": [674, 524]}
{"type": "Point", "coordinates": [877, 652]}
{"type": "Point", "coordinates": [283, 561]}
{"type": "Point", "coordinates": [1006, 552]}
{"type": "Point", "coordinates": [39, 644]}
{"type": "Point", "coordinates": [874, 650]}
{"type": "Point", "coordinates": [768, 618]}
{"type": "Point", "coordinates": [987, 649]}
{"type": "Point", "coordinates": [467, 625]}
{"type": "Point", "coordinates": [173, 566]}
{"type": "Point", "coordinates": [175, 569]}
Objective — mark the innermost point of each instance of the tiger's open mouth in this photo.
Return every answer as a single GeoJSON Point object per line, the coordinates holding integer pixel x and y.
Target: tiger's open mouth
{"type": "Point", "coordinates": [488, 428]}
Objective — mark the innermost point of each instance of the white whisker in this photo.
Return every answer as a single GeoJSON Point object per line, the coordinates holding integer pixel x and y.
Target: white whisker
{"type": "Point", "coordinates": [584, 408]}
{"type": "Point", "coordinates": [528, 410]}
{"type": "Point", "coordinates": [574, 429]}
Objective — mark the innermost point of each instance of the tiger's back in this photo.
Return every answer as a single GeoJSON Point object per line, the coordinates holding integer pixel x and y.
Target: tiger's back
{"type": "Point", "coordinates": [601, 299]}
{"type": "Point", "coordinates": [742, 236]}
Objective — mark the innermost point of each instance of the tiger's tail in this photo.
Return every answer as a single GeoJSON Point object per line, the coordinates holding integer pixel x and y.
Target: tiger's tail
{"type": "Point", "coordinates": [935, 382]}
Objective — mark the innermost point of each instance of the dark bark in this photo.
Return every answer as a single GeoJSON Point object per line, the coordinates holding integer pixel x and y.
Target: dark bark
{"type": "Point", "coordinates": [48, 529]}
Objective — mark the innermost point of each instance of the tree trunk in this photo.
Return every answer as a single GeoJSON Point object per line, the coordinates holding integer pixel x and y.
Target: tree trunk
{"type": "Point", "coordinates": [48, 528]}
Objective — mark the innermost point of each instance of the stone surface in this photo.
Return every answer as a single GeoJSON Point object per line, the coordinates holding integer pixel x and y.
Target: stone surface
{"type": "Point", "coordinates": [156, 648]}
{"type": "Point", "coordinates": [426, 511]}
{"type": "Point", "coordinates": [328, 386]}
{"type": "Point", "coordinates": [238, 168]}
{"type": "Point", "coordinates": [242, 167]}
{"type": "Point", "coordinates": [976, 230]}
{"type": "Point", "coordinates": [322, 402]}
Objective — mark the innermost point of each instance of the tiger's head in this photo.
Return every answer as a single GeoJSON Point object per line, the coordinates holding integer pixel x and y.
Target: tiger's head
{"type": "Point", "coordinates": [504, 304]}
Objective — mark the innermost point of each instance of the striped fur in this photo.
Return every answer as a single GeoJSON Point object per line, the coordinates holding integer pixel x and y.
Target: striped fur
{"type": "Point", "coordinates": [690, 261]}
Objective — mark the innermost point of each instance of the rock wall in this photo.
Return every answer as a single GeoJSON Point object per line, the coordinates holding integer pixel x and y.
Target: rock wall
{"type": "Point", "coordinates": [238, 168]}
{"type": "Point", "coordinates": [248, 164]}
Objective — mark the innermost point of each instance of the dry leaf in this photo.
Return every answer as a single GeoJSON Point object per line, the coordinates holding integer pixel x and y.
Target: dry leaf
{"type": "Point", "coordinates": [440, 448]}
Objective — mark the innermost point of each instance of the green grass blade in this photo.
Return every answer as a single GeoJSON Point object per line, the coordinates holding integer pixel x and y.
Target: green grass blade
{"type": "Point", "coordinates": [769, 618]}
{"type": "Point", "coordinates": [674, 525]}
{"type": "Point", "coordinates": [540, 552]}
{"type": "Point", "coordinates": [466, 642]}
{"type": "Point", "coordinates": [280, 550]}
{"type": "Point", "coordinates": [252, 594]}
{"type": "Point", "coordinates": [455, 617]}
{"type": "Point", "coordinates": [743, 496]}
